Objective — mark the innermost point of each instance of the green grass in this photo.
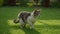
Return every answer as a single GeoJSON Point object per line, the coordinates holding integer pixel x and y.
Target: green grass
{"type": "Point", "coordinates": [48, 22]}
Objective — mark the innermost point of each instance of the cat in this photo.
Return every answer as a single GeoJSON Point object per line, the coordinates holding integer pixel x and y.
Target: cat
{"type": "Point", "coordinates": [27, 18]}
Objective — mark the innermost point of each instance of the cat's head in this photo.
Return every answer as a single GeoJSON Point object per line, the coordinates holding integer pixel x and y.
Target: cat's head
{"type": "Point", "coordinates": [36, 12]}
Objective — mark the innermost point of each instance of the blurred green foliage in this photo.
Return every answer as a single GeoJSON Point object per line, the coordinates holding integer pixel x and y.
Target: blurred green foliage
{"type": "Point", "coordinates": [1, 2]}
{"type": "Point", "coordinates": [23, 2]}
{"type": "Point", "coordinates": [55, 4]}
{"type": "Point", "coordinates": [28, 3]}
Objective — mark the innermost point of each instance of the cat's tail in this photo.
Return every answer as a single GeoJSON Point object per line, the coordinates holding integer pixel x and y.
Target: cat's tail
{"type": "Point", "coordinates": [17, 19]}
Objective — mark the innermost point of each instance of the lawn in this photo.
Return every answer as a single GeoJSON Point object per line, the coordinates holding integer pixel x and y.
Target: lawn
{"type": "Point", "coordinates": [48, 22]}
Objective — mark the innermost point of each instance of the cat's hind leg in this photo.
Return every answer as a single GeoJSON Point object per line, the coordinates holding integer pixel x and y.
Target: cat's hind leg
{"type": "Point", "coordinates": [22, 24]}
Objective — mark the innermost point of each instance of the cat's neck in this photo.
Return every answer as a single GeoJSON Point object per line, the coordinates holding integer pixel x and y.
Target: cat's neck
{"type": "Point", "coordinates": [32, 14]}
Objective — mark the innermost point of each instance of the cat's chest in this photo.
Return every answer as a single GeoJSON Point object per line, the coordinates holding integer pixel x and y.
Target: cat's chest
{"type": "Point", "coordinates": [31, 18]}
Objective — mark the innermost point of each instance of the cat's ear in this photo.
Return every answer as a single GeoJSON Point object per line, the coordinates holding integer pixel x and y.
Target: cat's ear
{"type": "Point", "coordinates": [35, 10]}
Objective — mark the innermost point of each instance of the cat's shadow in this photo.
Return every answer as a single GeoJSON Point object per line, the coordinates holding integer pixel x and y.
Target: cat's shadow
{"type": "Point", "coordinates": [27, 30]}
{"type": "Point", "coordinates": [30, 31]}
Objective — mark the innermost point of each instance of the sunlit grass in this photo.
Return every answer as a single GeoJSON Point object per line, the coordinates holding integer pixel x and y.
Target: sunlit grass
{"type": "Point", "coordinates": [42, 26]}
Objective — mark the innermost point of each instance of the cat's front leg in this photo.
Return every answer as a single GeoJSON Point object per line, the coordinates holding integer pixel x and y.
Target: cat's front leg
{"type": "Point", "coordinates": [31, 25]}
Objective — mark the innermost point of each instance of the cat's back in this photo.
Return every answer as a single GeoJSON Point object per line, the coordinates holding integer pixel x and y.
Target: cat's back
{"type": "Point", "coordinates": [24, 15]}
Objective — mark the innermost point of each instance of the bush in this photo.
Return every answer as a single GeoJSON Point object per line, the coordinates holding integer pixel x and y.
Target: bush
{"type": "Point", "coordinates": [1, 2]}
{"type": "Point", "coordinates": [55, 4]}
{"type": "Point", "coordinates": [30, 4]}
{"type": "Point", "coordinates": [23, 2]}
